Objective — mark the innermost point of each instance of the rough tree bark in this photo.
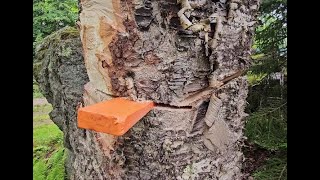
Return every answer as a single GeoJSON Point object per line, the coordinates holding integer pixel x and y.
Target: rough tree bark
{"type": "Point", "coordinates": [138, 49]}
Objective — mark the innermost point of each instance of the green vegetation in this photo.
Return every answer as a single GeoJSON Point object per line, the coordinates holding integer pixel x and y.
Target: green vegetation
{"type": "Point", "coordinates": [47, 135]}
{"type": "Point", "coordinates": [267, 124]}
{"type": "Point", "coordinates": [51, 15]}
{"type": "Point", "coordinates": [51, 168]}
{"type": "Point", "coordinates": [255, 78]}
{"type": "Point", "coordinates": [42, 110]}
{"type": "Point", "coordinates": [48, 151]}
{"type": "Point", "coordinates": [41, 117]}
{"type": "Point", "coordinates": [275, 168]}
{"type": "Point", "coordinates": [36, 90]}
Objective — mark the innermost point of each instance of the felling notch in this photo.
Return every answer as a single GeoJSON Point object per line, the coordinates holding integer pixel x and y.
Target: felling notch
{"type": "Point", "coordinates": [115, 116]}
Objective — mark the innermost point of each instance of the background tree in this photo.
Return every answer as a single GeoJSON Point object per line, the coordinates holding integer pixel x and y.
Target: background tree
{"type": "Point", "coordinates": [51, 15]}
{"type": "Point", "coordinates": [267, 124]}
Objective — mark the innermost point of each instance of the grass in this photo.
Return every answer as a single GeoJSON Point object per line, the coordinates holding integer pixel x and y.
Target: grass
{"type": "Point", "coordinates": [48, 151]}
{"type": "Point", "coordinates": [46, 135]}
{"type": "Point", "coordinates": [41, 117]}
{"type": "Point", "coordinates": [40, 113]}
{"type": "Point", "coordinates": [36, 92]}
{"type": "Point", "coordinates": [42, 108]}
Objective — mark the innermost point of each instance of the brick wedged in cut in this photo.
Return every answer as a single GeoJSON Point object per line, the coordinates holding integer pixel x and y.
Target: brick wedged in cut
{"type": "Point", "coordinates": [115, 116]}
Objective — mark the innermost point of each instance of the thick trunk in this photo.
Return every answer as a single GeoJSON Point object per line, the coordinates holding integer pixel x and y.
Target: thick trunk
{"type": "Point", "coordinates": [138, 49]}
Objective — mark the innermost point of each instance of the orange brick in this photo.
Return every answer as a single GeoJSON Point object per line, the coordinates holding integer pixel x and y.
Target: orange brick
{"type": "Point", "coordinates": [115, 116]}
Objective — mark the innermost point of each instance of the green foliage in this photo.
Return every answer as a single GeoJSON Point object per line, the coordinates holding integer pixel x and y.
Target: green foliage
{"type": "Point", "coordinates": [271, 37]}
{"type": "Point", "coordinates": [36, 90]}
{"type": "Point", "coordinates": [51, 168]}
{"type": "Point", "coordinates": [56, 165]}
{"type": "Point", "coordinates": [274, 169]}
{"type": "Point", "coordinates": [255, 78]}
{"type": "Point", "coordinates": [39, 170]}
{"type": "Point", "coordinates": [267, 127]}
{"type": "Point", "coordinates": [40, 151]}
{"type": "Point", "coordinates": [48, 151]}
{"type": "Point", "coordinates": [52, 15]}
{"type": "Point", "coordinates": [267, 123]}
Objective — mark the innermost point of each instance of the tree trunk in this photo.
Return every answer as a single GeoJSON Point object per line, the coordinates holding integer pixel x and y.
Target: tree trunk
{"type": "Point", "coordinates": [139, 49]}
